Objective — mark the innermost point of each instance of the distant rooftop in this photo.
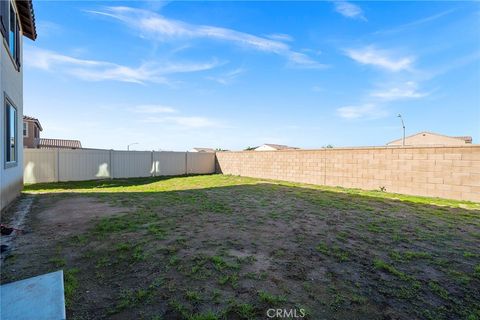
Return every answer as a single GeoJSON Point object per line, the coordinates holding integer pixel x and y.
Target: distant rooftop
{"type": "Point", "coordinates": [59, 143]}
{"type": "Point", "coordinates": [27, 118]}
{"type": "Point", "coordinates": [433, 138]}
{"type": "Point", "coordinates": [467, 139]}
{"type": "Point", "coordinates": [202, 150]}
{"type": "Point", "coordinates": [276, 146]}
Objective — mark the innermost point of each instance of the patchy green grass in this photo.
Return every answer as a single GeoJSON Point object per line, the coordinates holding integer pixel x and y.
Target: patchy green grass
{"type": "Point", "coordinates": [58, 262]}
{"type": "Point", "coordinates": [382, 265]}
{"type": "Point", "coordinates": [271, 299]}
{"type": "Point", "coordinates": [476, 271]}
{"type": "Point", "coordinates": [334, 251]}
{"type": "Point", "coordinates": [157, 184]}
{"type": "Point", "coordinates": [227, 247]}
{"type": "Point", "coordinates": [71, 284]}
{"type": "Point", "coordinates": [438, 290]}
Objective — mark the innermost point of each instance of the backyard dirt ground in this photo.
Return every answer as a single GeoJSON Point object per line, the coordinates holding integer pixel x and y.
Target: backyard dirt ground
{"type": "Point", "coordinates": [226, 247]}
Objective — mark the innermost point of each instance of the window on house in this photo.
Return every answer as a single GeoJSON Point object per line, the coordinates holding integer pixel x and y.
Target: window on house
{"type": "Point", "coordinates": [10, 134]}
{"type": "Point", "coordinates": [10, 28]}
{"type": "Point", "coordinates": [25, 129]}
{"type": "Point", "coordinates": [12, 39]}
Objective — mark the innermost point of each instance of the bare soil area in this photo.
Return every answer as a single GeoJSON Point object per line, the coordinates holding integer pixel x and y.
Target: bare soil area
{"type": "Point", "coordinates": [220, 247]}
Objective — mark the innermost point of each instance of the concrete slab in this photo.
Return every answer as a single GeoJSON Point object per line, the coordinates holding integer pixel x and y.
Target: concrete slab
{"type": "Point", "coordinates": [37, 298]}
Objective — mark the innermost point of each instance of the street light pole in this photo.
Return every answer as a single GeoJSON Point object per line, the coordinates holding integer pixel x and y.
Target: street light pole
{"type": "Point", "coordinates": [131, 144]}
{"type": "Point", "coordinates": [403, 126]}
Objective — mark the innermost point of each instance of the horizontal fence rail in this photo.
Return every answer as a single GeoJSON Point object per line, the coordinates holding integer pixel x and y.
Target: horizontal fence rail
{"type": "Point", "coordinates": [446, 172]}
{"type": "Point", "coordinates": [53, 165]}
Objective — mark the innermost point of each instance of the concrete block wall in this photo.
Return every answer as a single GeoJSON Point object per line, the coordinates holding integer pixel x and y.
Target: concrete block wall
{"type": "Point", "coordinates": [446, 172]}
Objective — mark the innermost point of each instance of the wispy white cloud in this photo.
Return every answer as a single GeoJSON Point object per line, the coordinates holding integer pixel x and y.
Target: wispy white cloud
{"type": "Point", "coordinates": [153, 108]}
{"type": "Point", "coordinates": [280, 37]}
{"type": "Point", "coordinates": [375, 103]}
{"type": "Point", "coordinates": [451, 65]}
{"type": "Point", "coordinates": [95, 70]}
{"type": "Point", "coordinates": [227, 77]}
{"type": "Point", "coordinates": [365, 111]}
{"type": "Point", "coordinates": [407, 90]}
{"type": "Point", "coordinates": [312, 51]}
{"type": "Point", "coordinates": [45, 59]}
{"type": "Point", "coordinates": [194, 122]}
{"type": "Point", "coordinates": [301, 60]}
{"type": "Point", "coordinates": [172, 117]}
{"type": "Point", "coordinates": [415, 23]}
{"type": "Point", "coordinates": [154, 26]}
{"type": "Point", "coordinates": [349, 10]}
{"type": "Point", "coordinates": [186, 121]}
{"type": "Point", "coordinates": [48, 28]}
{"type": "Point", "coordinates": [380, 58]}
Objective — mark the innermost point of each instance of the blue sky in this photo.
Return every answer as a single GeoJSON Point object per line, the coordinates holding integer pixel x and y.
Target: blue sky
{"type": "Point", "coordinates": [177, 75]}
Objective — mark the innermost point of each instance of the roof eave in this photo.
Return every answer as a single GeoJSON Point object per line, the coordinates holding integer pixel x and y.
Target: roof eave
{"type": "Point", "coordinates": [27, 18]}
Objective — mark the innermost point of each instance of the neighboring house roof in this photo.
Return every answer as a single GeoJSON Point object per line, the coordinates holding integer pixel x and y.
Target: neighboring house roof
{"type": "Point", "coordinates": [203, 150]}
{"type": "Point", "coordinates": [27, 18]}
{"type": "Point", "coordinates": [59, 143]}
{"type": "Point", "coordinates": [278, 146]}
{"type": "Point", "coordinates": [27, 118]}
{"type": "Point", "coordinates": [467, 139]}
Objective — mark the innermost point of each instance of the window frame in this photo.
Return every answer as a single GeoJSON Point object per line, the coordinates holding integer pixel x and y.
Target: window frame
{"type": "Point", "coordinates": [9, 104]}
{"type": "Point", "coordinates": [17, 35]}
{"type": "Point", "coordinates": [25, 129]}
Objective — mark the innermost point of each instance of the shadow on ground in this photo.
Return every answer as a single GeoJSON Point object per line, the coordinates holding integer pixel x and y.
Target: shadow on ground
{"type": "Point", "coordinates": [219, 247]}
{"type": "Point", "coordinates": [98, 184]}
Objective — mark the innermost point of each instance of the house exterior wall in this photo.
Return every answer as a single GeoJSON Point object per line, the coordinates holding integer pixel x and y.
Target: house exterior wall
{"type": "Point", "coordinates": [429, 139]}
{"type": "Point", "coordinates": [11, 86]}
{"type": "Point", "coordinates": [446, 172]}
{"type": "Point", "coordinates": [30, 141]}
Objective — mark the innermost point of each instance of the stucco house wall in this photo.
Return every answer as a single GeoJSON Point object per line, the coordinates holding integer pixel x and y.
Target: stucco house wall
{"type": "Point", "coordinates": [11, 86]}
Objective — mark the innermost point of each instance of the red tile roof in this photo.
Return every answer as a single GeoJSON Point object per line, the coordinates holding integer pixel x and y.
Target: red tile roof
{"type": "Point", "coordinates": [27, 18]}
{"type": "Point", "coordinates": [27, 118]}
{"type": "Point", "coordinates": [59, 143]}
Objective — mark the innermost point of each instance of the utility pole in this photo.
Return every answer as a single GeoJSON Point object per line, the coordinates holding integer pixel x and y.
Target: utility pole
{"type": "Point", "coordinates": [131, 144]}
{"type": "Point", "coordinates": [403, 126]}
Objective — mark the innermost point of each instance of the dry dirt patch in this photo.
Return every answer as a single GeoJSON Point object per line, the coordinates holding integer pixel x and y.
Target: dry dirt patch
{"type": "Point", "coordinates": [73, 214]}
{"type": "Point", "coordinates": [234, 249]}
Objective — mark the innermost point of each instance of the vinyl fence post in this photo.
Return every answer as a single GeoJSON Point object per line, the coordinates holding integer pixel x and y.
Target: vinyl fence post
{"type": "Point", "coordinates": [153, 165]}
{"type": "Point", "coordinates": [110, 162]}
{"type": "Point", "coordinates": [57, 169]}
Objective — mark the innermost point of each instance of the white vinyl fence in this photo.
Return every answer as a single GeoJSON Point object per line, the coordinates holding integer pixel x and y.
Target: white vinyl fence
{"type": "Point", "coordinates": [52, 165]}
